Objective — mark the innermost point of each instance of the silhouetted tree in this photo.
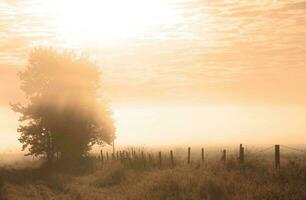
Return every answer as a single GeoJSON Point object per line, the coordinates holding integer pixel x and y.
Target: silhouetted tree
{"type": "Point", "coordinates": [62, 114]}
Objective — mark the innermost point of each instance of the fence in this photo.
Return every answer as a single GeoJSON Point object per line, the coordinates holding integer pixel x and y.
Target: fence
{"type": "Point", "coordinates": [132, 155]}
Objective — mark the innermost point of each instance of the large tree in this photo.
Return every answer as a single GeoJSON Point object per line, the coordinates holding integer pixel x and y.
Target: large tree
{"type": "Point", "coordinates": [63, 113]}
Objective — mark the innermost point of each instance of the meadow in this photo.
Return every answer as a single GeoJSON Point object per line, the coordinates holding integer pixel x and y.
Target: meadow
{"type": "Point", "coordinates": [144, 178]}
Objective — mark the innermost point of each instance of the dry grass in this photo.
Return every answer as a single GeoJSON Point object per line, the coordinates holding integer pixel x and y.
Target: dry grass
{"type": "Point", "coordinates": [138, 180]}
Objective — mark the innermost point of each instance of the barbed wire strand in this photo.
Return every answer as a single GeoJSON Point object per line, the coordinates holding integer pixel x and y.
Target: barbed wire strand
{"type": "Point", "coordinates": [294, 149]}
{"type": "Point", "coordinates": [262, 150]}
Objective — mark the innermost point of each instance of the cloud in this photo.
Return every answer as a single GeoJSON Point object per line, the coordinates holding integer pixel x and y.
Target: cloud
{"type": "Point", "coordinates": [13, 44]}
{"type": "Point", "coordinates": [298, 5]}
{"type": "Point", "coordinates": [218, 50]}
{"type": "Point", "coordinates": [9, 85]}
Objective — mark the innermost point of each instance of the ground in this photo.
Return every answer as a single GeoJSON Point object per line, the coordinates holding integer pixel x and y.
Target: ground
{"type": "Point", "coordinates": [214, 180]}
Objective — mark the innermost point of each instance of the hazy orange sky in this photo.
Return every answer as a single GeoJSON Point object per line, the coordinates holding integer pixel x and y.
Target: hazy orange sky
{"type": "Point", "coordinates": [174, 71]}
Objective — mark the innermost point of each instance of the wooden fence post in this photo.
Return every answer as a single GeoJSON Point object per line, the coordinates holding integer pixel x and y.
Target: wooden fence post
{"type": "Point", "coordinates": [128, 155]}
{"type": "Point", "coordinates": [202, 152]}
{"type": "Point", "coordinates": [150, 157]}
{"type": "Point", "coordinates": [241, 154]}
{"type": "Point", "coordinates": [113, 147]}
{"type": "Point", "coordinates": [102, 156]}
{"type": "Point", "coordinates": [133, 154]}
{"type": "Point", "coordinates": [160, 159]}
{"type": "Point", "coordinates": [171, 158]}
{"type": "Point", "coordinates": [107, 155]}
{"type": "Point", "coordinates": [223, 158]}
{"type": "Point", "coordinates": [277, 156]}
{"type": "Point", "coordinates": [188, 159]}
{"type": "Point", "coordinates": [121, 155]}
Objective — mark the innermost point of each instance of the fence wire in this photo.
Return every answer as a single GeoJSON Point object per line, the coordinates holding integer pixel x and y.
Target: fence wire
{"type": "Point", "coordinates": [294, 149]}
{"type": "Point", "coordinates": [261, 150]}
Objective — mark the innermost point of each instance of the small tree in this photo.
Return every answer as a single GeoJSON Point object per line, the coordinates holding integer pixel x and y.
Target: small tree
{"type": "Point", "coordinates": [63, 114]}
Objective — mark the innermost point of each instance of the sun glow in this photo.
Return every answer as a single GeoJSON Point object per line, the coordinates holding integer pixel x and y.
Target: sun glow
{"type": "Point", "coordinates": [108, 20]}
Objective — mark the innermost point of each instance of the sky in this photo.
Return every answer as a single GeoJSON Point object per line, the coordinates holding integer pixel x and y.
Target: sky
{"type": "Point", "coordinates": [174, 71]}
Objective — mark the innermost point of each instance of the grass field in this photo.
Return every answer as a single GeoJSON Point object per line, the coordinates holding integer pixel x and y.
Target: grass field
{"type": "Point", "coordinates": [213, 179]}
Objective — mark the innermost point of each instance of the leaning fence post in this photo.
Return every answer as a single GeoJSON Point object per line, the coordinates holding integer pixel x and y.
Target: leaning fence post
{"type": "Point", "coordinates": [223, 158]}
{"type": "Point", "coordinates": [160, 159]}
{"type": "Point", "coordinates": [188, 159]}
{"type": "Point", "coordinates": [171, 158]}
{"type": "Point", "coordinates": [241, 154]}
{"type": "Point", "coordinates": [202, 152]}
{"type": "Point", "coordinates": [277, 156]}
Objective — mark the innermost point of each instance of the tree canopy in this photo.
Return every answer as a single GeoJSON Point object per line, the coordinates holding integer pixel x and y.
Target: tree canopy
{"type": "Point", "coordinates": [63, 114]}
